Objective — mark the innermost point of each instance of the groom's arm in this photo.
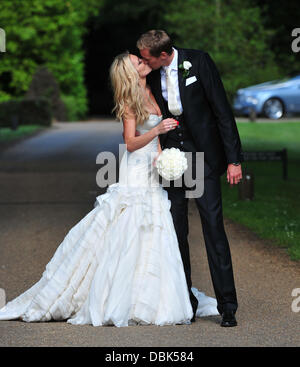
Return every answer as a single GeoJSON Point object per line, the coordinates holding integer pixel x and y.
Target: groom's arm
{"type": "Point", "coordinates": [217, 98]}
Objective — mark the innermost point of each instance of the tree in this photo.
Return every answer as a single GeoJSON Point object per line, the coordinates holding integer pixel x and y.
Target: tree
{"type": "Point", "coordinates": [282, 18]}
{"type": "Point", "coordinates": [48, 33]}
{"type": "Point", "coordinates": [232, 32]}
{"type": "Point", "coordinates": [113, 30]}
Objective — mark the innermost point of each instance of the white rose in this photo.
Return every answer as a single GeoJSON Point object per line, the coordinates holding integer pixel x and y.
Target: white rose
{"type": "Point", "coordinates": [187, 65]}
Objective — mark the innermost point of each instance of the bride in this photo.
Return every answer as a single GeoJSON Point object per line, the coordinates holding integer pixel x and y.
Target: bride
{"type": "Point", "coordinates": [120, 265]}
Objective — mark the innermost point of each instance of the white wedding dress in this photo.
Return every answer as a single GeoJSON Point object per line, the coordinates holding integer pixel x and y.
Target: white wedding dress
{"type": "Point", "coordinates": [119, 265]}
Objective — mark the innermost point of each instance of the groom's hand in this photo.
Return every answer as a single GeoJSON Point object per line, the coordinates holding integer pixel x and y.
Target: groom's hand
{"type": "Point", "coordinates": [234, 174]}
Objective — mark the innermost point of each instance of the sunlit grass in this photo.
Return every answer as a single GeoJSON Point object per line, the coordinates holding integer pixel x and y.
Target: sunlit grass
{"type": "Point", "coordinates": [275, 211]}
{"type": "Point", "coordinates": [9, 135]}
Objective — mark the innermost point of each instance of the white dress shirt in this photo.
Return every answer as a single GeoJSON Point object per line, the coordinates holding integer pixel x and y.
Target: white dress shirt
{"type": "Point", "coordinates": [174, 76]}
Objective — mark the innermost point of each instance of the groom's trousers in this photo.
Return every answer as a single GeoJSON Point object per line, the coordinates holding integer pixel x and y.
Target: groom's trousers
{"type": "Point", "coordinates": [217, 247]}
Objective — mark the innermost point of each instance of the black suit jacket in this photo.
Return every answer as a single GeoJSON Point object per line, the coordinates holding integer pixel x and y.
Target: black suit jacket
{"type": "Point", "coordinates": [207, 112]}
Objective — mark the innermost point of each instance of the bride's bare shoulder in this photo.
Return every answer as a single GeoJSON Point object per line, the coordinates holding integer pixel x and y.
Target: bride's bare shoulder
{"type": "Point", "coordinates": [128, 113]}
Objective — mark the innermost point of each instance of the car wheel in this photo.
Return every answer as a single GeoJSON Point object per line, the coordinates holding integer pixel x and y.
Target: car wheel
{"type": "Point", "coordinates": [273, 108]}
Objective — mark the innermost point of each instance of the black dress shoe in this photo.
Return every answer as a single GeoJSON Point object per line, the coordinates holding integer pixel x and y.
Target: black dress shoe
{"type": "Point", "coordinates": [228, 319]}
{"type": "Point", "coordinates": [193, 319]}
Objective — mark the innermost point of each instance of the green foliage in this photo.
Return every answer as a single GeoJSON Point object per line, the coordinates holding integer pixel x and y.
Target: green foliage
{"type": "Point", "coordinates": [241, 36]}
{"type": "Point", "coordinates": [232, 32]}
{"type": "Point", "coordinates": [145, 14]}
{"type": "Point", "coordinates": [46, 33]}
{"type": "Point", "coordinates": [282, 18]}
{"type": "Point", "coordinates": [76, 107]}
{"type": "Point", "coordinates": [25, 112]}
{"type": "Point", "coordinates": [44, 85]}
{"type": "Point", "coordinates": [7, 135]}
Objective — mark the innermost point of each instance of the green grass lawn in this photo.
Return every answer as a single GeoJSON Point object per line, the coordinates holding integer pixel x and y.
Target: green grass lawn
{"type": "Point", "coordinates": [275, 211]}
{"type": "Point", "coordinates": [7, 135]}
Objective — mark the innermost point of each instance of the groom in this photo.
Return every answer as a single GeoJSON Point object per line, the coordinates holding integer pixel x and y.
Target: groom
{"type": "Point", "coordinates": [192, 93]}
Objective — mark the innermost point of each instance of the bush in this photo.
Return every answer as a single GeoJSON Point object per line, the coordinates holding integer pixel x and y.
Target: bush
{"type": "Point", "coordinates": [76, 107]}
{"type": "Point", "coordinates": [25, 112]}
{"type": "Point", "coordinates": [48, 33]}
{"type": "Point", "coordinates": [44, 84]}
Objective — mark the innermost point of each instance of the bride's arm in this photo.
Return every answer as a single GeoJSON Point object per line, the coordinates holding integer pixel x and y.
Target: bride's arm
{"type": "Point", "coordinates": [134, 142]}
{"type": "Point", "coordinates": [159, 151]}
{"type": "Point", "coordinates": [159, 146]}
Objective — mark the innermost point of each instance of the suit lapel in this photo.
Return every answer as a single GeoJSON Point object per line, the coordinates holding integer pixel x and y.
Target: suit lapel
{"type": "Point", "coordinates": [181, 80]}
{"type": "Point", "coordinates": [157, 91]}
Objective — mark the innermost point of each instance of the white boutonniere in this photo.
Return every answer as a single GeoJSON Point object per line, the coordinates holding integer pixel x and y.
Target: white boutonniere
{"type": "Point", "coordinates": [185, 66]}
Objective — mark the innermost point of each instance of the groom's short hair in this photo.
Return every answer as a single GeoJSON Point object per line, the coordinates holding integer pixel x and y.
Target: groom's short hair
{"type": "Point", "coordinates": [156, 41]}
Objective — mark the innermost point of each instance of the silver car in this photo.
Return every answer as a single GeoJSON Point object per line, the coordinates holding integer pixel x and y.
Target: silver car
{"type": "Point", "coordinates": [272, 99]}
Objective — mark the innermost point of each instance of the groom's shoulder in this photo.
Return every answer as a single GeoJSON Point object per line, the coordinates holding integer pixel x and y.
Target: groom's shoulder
{"type": "Point", "coordinates": [191, 51]}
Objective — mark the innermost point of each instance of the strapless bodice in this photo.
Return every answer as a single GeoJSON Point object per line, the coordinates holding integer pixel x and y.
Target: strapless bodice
{"type": "Point", "coordinates": [151, 122]}
{"type": "Point", "coordinates": [136, 167]}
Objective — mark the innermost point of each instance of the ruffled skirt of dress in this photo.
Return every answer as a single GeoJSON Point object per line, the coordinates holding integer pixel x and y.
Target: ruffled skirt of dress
{"type": "Point", "coordinates": [120, 265]}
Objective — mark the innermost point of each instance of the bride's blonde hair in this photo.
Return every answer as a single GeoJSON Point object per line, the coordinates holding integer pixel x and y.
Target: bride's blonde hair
{"type": "Point", "coordinates": [128, 94]}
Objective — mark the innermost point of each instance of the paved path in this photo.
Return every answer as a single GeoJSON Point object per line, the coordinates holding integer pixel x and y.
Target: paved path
{"type": "Point", "coordinates": [263, 119]}
{"type": "Point", "coordinates": [47, 184]}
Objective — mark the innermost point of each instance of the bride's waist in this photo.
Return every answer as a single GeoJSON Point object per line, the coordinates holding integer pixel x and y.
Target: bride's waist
{"type": "Point", "coordinates": [147, 149]}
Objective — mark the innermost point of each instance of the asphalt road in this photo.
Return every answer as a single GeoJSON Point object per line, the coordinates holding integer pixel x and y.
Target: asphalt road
{"type": "Point", "coordinates": [264, 119]}
{"type": "Point", "coordinates": [47, 184]}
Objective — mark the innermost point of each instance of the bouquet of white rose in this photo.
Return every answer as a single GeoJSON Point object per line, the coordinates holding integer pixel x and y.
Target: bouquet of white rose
{"type": "Point", "coordinates": [171, 163]}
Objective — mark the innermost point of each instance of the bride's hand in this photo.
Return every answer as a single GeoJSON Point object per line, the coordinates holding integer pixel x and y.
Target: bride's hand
{"type": "Point", "coordinates": [166, 125]}
{"type": "Point", "coordinates": [155, 159]}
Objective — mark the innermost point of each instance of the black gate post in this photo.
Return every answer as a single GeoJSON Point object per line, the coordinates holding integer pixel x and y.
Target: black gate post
{"type": "Point", "coordinates": [284, 164]}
